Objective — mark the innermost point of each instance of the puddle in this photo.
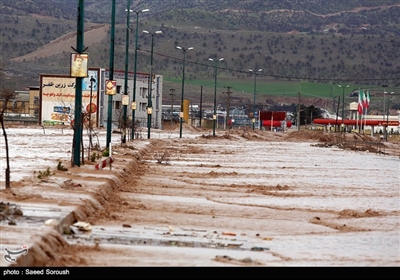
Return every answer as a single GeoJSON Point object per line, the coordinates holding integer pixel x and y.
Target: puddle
{"type": "Point", "coordinates": [159, 237]}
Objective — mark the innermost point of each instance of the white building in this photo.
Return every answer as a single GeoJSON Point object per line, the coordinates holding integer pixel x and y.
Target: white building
{"type": "Point", "coordinates": [393, 120]}
{"type": "Point", "coordinates": [141, 98]}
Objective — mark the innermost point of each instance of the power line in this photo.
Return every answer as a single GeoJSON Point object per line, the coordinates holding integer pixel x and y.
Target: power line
{"type": "Point", "coordinates": [281, 76]}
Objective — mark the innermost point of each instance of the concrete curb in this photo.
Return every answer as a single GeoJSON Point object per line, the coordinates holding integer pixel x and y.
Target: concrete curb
{"type": "Point", "coordinates": [45, 242]}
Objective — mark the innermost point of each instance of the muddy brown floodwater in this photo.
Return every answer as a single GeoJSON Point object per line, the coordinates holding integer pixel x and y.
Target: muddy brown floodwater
{"type": "Point", "coordinates": [244, 198]}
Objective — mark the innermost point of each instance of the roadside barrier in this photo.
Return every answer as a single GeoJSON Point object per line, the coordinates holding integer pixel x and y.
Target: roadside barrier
{"type": "Point", "coordinates": [104, 163]}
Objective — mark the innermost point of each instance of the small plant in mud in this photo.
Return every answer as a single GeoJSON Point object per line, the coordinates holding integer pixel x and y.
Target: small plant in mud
{"type": "Point", "coordinates": [94, 157]}
{"type": "Point", "coordinates": [44, 174]}
{"type": "Point", "coordinates": [161, 157]}
{"type": "Point", "coordinates": [106, 153]}
{"type": "Point", "coordinates": [61, 167]}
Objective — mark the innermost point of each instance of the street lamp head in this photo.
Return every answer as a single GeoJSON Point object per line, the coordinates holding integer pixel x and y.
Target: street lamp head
{"type": "Point", "coordinates": [142, 11]}
{"type": "Point", "coordinates": [210, 59]}
{"type": "Point", "coordinates": [129, 10]}
{"type": "Point", "coordinates": [188, 49]}
{"type": "Point", "coordinates": [221, 59]}
{"type": "Point", "coordinates": [157, 32]}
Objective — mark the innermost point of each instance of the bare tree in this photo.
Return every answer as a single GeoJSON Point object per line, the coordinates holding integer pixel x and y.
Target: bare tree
{"type": "Point", "coordinates": [5, 96]}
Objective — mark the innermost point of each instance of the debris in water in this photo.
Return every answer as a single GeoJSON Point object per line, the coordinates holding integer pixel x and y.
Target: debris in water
{"type": "Point", "coordinates": [83, 226]}
{"type": "Point", "coordinates": [51, 222]}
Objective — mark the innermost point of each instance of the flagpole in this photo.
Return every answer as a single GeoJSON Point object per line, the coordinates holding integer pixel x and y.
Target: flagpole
{"type": "Point", "coordinates": [366, 109]}
{"type": "Point", "coordinates": [357, 126]}
{"type": "Point", "coordinates": [360, 110]}
{"type": "Point", "coordinates": [364, 121]}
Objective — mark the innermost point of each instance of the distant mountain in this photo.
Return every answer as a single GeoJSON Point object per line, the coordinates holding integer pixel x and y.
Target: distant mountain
{"type": "Point", "coordinates": [261, 15]}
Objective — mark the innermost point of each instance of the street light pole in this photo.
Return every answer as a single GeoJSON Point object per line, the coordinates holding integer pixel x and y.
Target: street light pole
{"type": "Point", "coordinates": [183, 86]}
{"type": "Point", "coordinates": [92, 80]}
{"type": "Point", "coordinates": [215, 92]}
{"type": "Point", "coordinates": [78, 89]}
{"type": "Point", "coordinates": [134, 73]}
{"type": "Point", "coordinates": [111, 75]}
{"type": "Point", "coordinates": [387, 118]}
{"type": "Point", "coordinates": [149, 99]}
{"type": "Point", "coordinates": [343, 87]}
{"type": "Point", "coordinates": [254, 101]}
{"type": "Point", "coordinates": [128, 11]}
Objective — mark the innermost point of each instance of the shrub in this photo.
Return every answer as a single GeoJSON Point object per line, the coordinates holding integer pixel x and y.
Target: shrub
{"type": "Point", "coordinates": [61, 167]}
{"type": "Point", "coordinates": [44, 174]}
{"type": "Point", "coordinates": [162, 156]}
{"type": "Point", "coordinates": [94, 157]}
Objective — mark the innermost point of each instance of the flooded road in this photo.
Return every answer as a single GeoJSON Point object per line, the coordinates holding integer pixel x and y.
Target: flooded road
{"type": "Point", "coordinates": [258, 200]}
{"type": "Point", "coordinates": [253, 203]}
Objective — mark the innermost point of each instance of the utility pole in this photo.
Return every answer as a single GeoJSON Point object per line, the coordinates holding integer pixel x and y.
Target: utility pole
{"type": "Point", "coordinates": [228, 105]}
{"type": "Point", "coordinates": [334, 104]}
{"type": "Point", "coordinates": [191, 112]}
{"type": "Point", "coordinates": [298, 114]}
{"type": "Point", "coordinates": [201, 105]}
{"type": "Point", "coordinates": [172, 104]}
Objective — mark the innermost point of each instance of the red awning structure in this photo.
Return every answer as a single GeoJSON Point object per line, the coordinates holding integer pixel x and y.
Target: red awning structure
{"type": "Point", "coordinates": [356, 122]}
{"type": "Point", "coordinates": [276, 123]}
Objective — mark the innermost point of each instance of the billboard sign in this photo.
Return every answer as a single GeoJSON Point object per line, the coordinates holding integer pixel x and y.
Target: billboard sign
{"type": "Point", "coordinates": [58, 98]}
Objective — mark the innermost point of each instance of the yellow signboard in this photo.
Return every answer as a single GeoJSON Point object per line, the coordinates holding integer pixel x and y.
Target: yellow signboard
{"type": "Point", "coordinates": [186, 103]}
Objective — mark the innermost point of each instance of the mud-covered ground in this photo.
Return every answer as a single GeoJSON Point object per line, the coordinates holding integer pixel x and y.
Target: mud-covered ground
{"type": "Point", "coordinates": [242, 198]}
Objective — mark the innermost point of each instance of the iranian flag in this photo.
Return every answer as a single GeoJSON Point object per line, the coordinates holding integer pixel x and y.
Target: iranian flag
{"type": "Point", "coordinates": [360, 102]}
{"type": "Point", "coordinates": [364, 99]}
{"type": "Point", "coordinates": [368, 98]}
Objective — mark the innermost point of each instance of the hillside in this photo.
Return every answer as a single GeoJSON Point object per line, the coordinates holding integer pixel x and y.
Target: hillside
{"type": "Point", "coordinates": [93, 35]}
